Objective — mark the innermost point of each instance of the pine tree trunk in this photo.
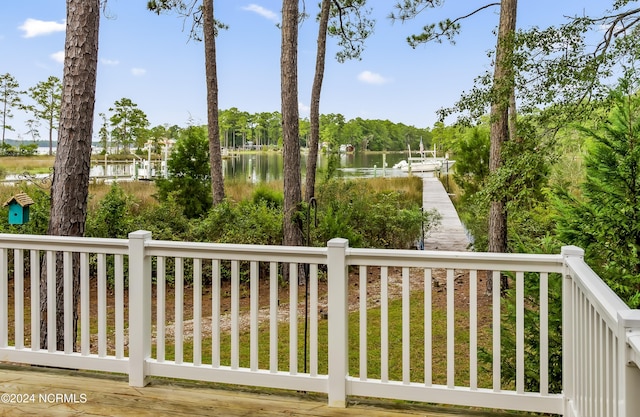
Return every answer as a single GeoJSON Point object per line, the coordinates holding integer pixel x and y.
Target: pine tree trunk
{"type": "Point", "coordinates": [290, 130]}
{"type": "Point", "coordinates": [314, 116]}
{"type": "Point", "coordinates": [215, 154]}
{"type": "Point", "coordinates": [70, 185]}
{"type": "Point", "coordinates": [503, 91]}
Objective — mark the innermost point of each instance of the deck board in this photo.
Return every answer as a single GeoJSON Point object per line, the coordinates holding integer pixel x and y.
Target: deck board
{"type": "Point", "coordinates": [110, 395]}
{"type": "Point", "coordinates": [450, 235]}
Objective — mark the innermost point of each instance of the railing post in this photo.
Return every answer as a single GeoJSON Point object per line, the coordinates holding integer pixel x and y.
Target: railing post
{"type": "Point", "coordinates": [567, 328]}
{"type": "Point", "coordinates": [629, 374]}
{"type": "Point", "coordinates": [338, 318]}
{"type": "Point", "coordinates": [139, 308]}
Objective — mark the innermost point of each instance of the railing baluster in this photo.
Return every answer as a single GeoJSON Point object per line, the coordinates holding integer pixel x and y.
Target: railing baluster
{"type": "Point", "coordinates": [592, 359]}
{"type": "Point", "coordinates": [4, 299]}
{"type": "Point", "coordinates": [609, 373]}
{"type": "Point", "coordinates": [544, 333]}
{"type": "Point", "coordinates": [51, 301]}
{"type": "Point", "coordinates": [384, 325]}
{"type": "Point", "coordinates": [293, 318]}
{"type": "Point", "coordinates": [235, 314]}
{"type": "Point", "coordinates": [34, 271]}
{"type": "Point", "coordinates": [18, 297]}
{"type": "Point", "coordinates": [451, 342]}
{"type": "Point", "coordinates": [583, 352]}
{"type": "Point", "coordinates": [119, 304]}
{"type": "Point", "coordinates": [197, 312]}
{"type": "Point", "coordinates": [495, 328]}
{"type": "Point", "coordinates": [102, 305]}
{"type": "Point", "coordinates": [406, 327]}
{"type": "Point", "coordinates": [428, 338]}
{"type": "Point", "coordinates": [215, 313]}
{"type": "Point", "coordinates": [161, 302]}
{"type": "Point", "coordinates": [363, 322]}
{"type": "Point", "coordinates": [273, 316]}
{"type": "Point", "coordinates": [68, 301]}
{"type": "Point", "coordinates": [254, 309]}
{"type": "Point", "coordinates": [313, 319]}
{"type": "Point", "coordinates": [520, 332]}
{"type": "Point", "coordinates": [85, 312]}
{"type": "Point", "coordinates": [615, 394]}
{"type": "Point", "coordinates": [473, 329]}
{"type": "Point", "coordinates": [600, 372]}
{"type": "Point", "coordinates": [179, 311]}
{"type": "Point", "coordinates": [595, 364]}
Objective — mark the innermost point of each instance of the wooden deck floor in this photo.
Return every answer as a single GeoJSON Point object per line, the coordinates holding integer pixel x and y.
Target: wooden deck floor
{"type": "Point", "coordinates": [92, 394]}
{"type": "Point", "coordinates": [450, 235]}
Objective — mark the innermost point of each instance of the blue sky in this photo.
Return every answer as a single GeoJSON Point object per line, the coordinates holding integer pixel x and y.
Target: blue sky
{"type": "Point", "coordinates": [149, 58]}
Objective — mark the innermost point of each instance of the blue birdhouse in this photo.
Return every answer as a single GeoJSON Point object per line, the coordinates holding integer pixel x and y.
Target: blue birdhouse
{"type": "Point", "coordinates": [19, 208]}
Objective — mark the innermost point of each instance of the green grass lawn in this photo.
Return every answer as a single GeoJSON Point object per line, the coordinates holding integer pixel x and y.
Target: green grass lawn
{"type": "Point", "coordinates": [439, 354]}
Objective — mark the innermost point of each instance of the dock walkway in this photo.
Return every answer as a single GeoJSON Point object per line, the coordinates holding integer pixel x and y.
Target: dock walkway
{"type": "Point", "coordinates": [450, 235]}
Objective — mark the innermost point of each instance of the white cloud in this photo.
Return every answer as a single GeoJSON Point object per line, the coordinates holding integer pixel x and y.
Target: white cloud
{"type": "Point", "coordinates": [266, 13]}
{"type": "Point", "coordinates": [372, 78]}
{"type": "Point", "coordinates": [58, 56]}
{"type": "Point", "coordinates": [35, 27]}
{"type": "Point", "coordinates": [138, 72]}
{"type": "Point", "coordinates": [110, 62]}
{"type": "Point", "coordinates": [303, 108]}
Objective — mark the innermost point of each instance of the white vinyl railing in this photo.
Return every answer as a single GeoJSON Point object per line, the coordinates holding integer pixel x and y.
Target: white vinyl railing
{"type": "Point", "coordinates": [600, 362]}
{"type": "Point", "coordinates": [409, 325]}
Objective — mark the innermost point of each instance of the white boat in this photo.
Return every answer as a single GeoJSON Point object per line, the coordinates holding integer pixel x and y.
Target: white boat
{"type": "Point", "coordinates": [426, 162]}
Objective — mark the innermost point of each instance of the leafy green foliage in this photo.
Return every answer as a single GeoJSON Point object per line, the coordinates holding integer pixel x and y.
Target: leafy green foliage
{"type": "Point", "coordinates": [521, 180]}
{"type": "Point", "coordinates": [165, 221]}
{"type": "Point", "coordinates": [605, 219]}
{"type": "Point", "coordinates": [472, 160]}
{"type": "Point", "coordinates": [129, 124]}
{"type": "Point", "coordinates": [350, 24]}
{"type": "Point", "coordinates": [246, 222]}
{"type": "Point", "coordinates": [189, 174]}
{"type": "Point", "coordinates": [368, 218]}
{"type": "Point", "coordinates": [269, 197]}
{"type": "Point", "coordinates": [113, 217]}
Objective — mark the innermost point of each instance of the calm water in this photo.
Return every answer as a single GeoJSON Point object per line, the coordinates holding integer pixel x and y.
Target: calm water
{"type": "Point", "coordinates": [258, 167]}
{"type": "Point", "coordinates": [262, 167]}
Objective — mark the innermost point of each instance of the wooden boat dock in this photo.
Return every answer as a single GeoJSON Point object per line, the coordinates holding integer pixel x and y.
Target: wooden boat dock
{"type": "Point", "coordinates": [450, 235]}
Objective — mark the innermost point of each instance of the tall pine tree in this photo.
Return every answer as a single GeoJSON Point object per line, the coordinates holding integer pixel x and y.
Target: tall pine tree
{"type": "Point", "coordinates": [605, 219]}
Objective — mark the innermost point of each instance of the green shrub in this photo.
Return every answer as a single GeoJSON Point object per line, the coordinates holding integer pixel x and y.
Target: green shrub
{"type": "Point", "coordinates": [368, 218]}
{"type": "Point", "coordinates": [245, 222]}
{"type": "Point", "coordinates": [189, 181]}
{"type": "Point", "coordinates": [113, 217]}
{"type": "Point", "coordinates": [166, 221]}
{"type": "Point", "coordinates": [271, 197]}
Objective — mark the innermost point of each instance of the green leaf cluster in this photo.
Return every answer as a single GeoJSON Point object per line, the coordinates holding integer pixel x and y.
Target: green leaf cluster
{"type": "Point", "coordinates": [369, 218]}
{"type": "Point", "coordinates": [605, 218]}
{"type": "Point", "coordinates": [189, 180]}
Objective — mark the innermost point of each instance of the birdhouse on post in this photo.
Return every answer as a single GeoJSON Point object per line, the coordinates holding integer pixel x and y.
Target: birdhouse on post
{"type": "Point", "coordinates": [19, 208]}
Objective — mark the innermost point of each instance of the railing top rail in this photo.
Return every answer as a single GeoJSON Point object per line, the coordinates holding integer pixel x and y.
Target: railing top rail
{"type": "Point", "coordinates": [64, 243]}
{"type": "Point", "coordinates": [227, 251]}
{"type": "Point", "coordinates": [599, 294]}
{"type": "Point", "coordinates": [456, 260]}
